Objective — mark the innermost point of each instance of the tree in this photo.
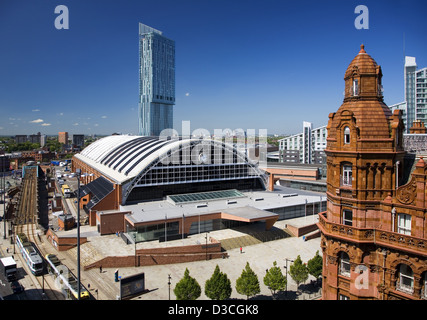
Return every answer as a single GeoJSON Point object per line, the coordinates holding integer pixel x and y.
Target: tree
{"type": "Point", "coordinates": [315, 265]}
{"type": "Point", "coordinates": [187, 288]}
{"type": "Point", "coordinates": [218, 287]}
{"type": "Point", "coordinates": [298, 271]}
{"type": "Point", "coordinates": [274, 279]}
{"type": "Point", "coordinates": [248, 283]}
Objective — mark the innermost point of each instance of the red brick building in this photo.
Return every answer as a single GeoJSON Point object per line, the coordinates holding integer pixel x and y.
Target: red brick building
{"type": "Point", "coordinates": [374, 230]}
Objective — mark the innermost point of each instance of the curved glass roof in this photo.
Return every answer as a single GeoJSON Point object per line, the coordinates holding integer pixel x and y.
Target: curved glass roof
{"type": "Point", "coordinates": [123, 157]}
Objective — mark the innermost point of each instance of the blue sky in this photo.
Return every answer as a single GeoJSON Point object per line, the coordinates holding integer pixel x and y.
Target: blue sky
{"type": "Point", "coordinates": [239, 64]}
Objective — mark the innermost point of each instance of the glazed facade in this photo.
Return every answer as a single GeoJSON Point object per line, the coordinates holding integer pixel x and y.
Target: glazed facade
{"type": "Point", "coordinates": [414, 107]}
{"type": "Point", "coordinates": [156, 81]}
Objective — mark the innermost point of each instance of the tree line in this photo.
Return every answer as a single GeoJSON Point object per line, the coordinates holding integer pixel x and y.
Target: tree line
{"type": "Point", "coordinates": [218, 286]}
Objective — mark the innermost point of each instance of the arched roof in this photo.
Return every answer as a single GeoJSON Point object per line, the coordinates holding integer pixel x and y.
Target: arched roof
{"type": "Point", "coordinates": [123, 157]}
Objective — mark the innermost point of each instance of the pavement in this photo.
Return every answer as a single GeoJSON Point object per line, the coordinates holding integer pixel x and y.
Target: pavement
{"type": "Point", "coordinates": [102, 286]}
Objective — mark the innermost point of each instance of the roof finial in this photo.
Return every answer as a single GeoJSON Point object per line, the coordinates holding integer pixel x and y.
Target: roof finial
{"type": "Point", "coordinates": [362, 48]}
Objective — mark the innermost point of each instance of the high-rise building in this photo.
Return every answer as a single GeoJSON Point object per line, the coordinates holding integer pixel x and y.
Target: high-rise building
{"type": "Point", "coordinates": [156, 81]}
{"type": "Point", "coordinates": [304, 147]}
{"type": "Point", "coordinates": [63, 137]}
{"type": "Point", "coordinates": [79, 140]}
{"type": "Point", "coordinates": [414, 107]}
{"type": "Point", "coordinates": [373, 233]}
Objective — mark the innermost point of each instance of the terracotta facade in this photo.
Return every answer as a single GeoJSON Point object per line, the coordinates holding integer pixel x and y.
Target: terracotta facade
{"type": "Point", "coordinates": [374, 230]}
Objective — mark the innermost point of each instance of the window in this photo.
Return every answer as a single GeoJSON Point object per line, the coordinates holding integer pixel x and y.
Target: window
{"type": "Point", "coordinates": [404, 223]}
{"type": "Point", "coordinates": [347, 175]}
{"type": "Point", "coordinates": [355, 87]}
{"type": "Point", "coordinates": [425, 285]}
{"type": "Point", "coordinates": [347, 217]}
{"type": "Point", "coordinates": [344, 264]}
{"type": "Point", "coordinates": [406, 279]}
{"type": "Point", "coordinates": [343, 297]}
{"type": "Point", "coordinates": [346, 135]}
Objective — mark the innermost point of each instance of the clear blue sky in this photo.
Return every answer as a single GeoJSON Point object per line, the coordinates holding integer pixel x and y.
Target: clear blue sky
{"type": "Point", "coordinates": [239, 64]}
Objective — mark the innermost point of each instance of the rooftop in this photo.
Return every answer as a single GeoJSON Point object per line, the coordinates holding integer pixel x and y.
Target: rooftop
{"type": "Point", "coordinates": [254, 204]}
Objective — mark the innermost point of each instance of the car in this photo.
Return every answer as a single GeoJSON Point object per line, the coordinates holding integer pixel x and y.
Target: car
{"type": "Point", "coordinates": [16, 286]}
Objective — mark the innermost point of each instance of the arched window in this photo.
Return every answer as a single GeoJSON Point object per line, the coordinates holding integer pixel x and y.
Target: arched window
{"type": "Point", "coordinates": [405, 279]}
{"type": "Point", "coordinates": [344, 264]}
{"type": "Point", "coordinates": [346, 135]}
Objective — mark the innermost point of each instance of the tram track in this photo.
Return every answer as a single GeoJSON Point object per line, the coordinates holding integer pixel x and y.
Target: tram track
{"type": "Point", "coordinates": [25, 222]}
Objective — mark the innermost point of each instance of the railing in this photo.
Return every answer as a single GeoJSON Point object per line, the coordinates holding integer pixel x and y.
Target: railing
{"type": "Point", "coordinates": [373, 235]}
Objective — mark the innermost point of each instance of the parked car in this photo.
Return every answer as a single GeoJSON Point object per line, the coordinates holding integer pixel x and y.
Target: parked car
{"type": "Point", "coordinates": [16, 286]}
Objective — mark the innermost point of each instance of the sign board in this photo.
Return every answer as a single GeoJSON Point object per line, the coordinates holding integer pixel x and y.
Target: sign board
{"type": "Point", "coordinates": [132, 285]}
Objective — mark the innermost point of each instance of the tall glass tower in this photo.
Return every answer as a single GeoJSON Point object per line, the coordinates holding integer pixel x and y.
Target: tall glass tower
{"type": "Point", "coordinates": [414, 107]}
{"type": "Point", "coordinates": [156, 81]}
{"type": "Point", "coordinates": [410, 68]}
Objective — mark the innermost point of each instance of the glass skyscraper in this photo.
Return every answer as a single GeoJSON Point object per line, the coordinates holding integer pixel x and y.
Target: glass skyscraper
{"type": "Point", "coordinates": [156, 81]}
{"type": "Point", "coordinates": [415, 105]}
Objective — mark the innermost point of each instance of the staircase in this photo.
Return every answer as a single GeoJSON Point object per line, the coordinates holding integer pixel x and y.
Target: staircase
{"type": "Point", "coordinates": [88, 254]}
{"type": "Point", "coordinates": [254, 237]}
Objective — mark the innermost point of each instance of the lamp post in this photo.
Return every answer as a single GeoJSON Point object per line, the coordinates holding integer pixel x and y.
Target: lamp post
{"type": "Point", "coordinates": [134, 241]}
{"type": "Point", "coordinates": [206, 237]}
{"type": "Point", "coordinates": [79, 175]}
{"type": "Point", "coordinates": [169, 284]}
{"type": "Point", "coordinates": [4, 194]}
{"type": "Point", "coordinates": [286, 271]}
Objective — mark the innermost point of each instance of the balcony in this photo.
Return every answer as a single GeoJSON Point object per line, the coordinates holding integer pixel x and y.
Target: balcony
{"type": "Point", "coordinates": [369, 235]}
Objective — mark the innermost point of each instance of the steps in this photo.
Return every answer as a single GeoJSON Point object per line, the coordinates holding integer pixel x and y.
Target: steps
{"type": "Point", "coordinates": [88, 254]}
{"type": "Point", "coordinates": [254, 238]}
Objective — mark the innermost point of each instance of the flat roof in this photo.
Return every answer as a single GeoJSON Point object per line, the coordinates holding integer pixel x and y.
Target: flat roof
{"type": "Point", "coordinates": [249, 213]}
{"type": "Point", "coordinates": [204, 196]}
{"type": "Point", "coordinates": [256, 203]}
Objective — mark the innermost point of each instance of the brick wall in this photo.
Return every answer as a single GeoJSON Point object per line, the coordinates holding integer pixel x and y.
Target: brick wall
{"type": "Point", "coordinates": [161, 256]}
{"type": "Point", "coordinates": [63, 243]}
{"type": "Point", "coordinates": [300, 231]}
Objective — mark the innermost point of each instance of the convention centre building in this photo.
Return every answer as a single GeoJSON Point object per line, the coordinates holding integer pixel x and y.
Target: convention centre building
{"type": "Point", "coordinates": [149, 188]}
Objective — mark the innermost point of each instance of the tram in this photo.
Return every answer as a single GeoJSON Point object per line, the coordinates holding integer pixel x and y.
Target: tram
{"type": "Point", "coordinates": [31, 256]}
{"type": "Point", "coordinates": [65, 279]}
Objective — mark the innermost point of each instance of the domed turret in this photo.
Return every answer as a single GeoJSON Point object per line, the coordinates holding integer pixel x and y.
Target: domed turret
{"type": "Point", "coordinates": [363, 77]}
{"type": "Point", "coordinates": [364, 136]}
{"type": "Point", "coordinates": [363, 111]}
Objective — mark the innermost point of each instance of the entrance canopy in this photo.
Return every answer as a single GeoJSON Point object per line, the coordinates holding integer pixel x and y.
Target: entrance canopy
{"type": "Point", "coordinates": [250, 214]}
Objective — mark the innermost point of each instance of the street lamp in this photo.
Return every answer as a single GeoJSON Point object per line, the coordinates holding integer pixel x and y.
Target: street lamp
{"type": "Point", "coordinates": [169, 284]}
{"type": "Point", "coordinates": [4, 194]}
{"type": "Point", "coordinates": [79, 175]}
{"type": "Point", "coordinates": [286, 271]}
{"type": "Point", "coordinates": [134, 241]}
{"type": "Point", "coordinates": [206, 237]}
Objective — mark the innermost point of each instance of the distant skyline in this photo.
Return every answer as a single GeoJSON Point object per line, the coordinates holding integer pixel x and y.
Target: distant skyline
{"type": "Point", "coordinates": [239, 64]}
